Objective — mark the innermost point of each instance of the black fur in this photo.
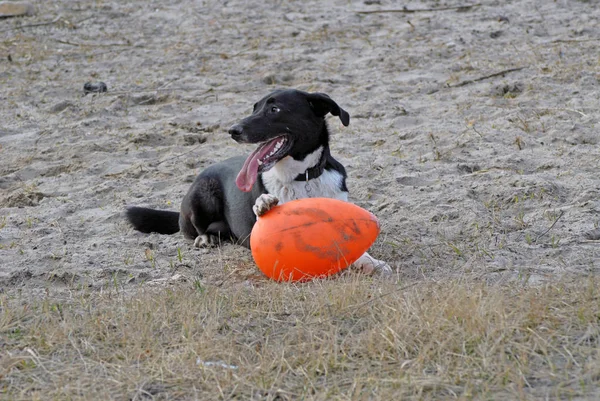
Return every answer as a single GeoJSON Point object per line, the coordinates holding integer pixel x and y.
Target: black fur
{"type": "Point", "coordinates": [151, 220]}
{"type": "Point", "coordinates": [214, 205]}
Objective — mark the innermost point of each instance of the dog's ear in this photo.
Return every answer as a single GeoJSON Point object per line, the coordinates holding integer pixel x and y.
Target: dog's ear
{"type": "Point", "coordinates": [323, 104]}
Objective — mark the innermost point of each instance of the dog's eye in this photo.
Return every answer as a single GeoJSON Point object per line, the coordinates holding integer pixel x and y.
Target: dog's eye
{"type": "Point", "coordinates": [274, 109]}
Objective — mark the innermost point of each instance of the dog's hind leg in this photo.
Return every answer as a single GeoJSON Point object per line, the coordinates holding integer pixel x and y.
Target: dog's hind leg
{"type": "Point", "coordinates": [202, 217]}
{"type": "Point", "coordinates": [369, 265]}
{"type": "Point", "coordinates": [214, 234]}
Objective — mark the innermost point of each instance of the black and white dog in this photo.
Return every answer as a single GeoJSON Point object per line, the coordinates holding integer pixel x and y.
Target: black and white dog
{"type": "Point", "coordinates": [292, 161]}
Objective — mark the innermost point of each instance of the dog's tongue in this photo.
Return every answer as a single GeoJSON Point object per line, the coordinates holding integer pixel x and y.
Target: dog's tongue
{"type": "Point", "coordinates": [249, 172]}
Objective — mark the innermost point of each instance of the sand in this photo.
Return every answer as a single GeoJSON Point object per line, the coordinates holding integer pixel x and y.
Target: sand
{"type": "Point", "coordinates": [473, 133]}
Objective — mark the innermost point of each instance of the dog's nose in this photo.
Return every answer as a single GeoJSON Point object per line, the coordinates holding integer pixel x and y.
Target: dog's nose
{"type": "Point", "coordinates": [236, 131]}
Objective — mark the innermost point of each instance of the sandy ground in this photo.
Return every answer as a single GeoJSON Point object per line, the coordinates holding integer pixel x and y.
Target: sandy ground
{"type": "Point", "coordinates": [472, 173]}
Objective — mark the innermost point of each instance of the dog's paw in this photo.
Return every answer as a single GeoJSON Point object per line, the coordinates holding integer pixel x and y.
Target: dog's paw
{"type": "Point", "coordinates": [204, 241]}
{"type": "Point", "coordinates": [264, 203]}
{"type": "Point", "coordinates": [369, 265]}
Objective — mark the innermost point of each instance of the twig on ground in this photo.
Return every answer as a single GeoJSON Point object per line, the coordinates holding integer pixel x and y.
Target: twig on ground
{"type": "Point", "coordinates": [54, 21]}
{"type": "Point", "coordinates": [562, 212]}
{"type": "Point", "coordinates": [177, 156]}
{"type": "Point", "coordinates": [66, 42]}
{"type": "Point", "coordinates": [470, 81]}
{"type": "Point", "coordinates": [160, 89]}
{"type": "Point", "coordinates": [575, 40]}
{"type": "Point", "coordinates": [474, 129]}
{"type": "Point", "coordinates": [417, 10]}
{"type": "Point", "coordinates": [582, 114]}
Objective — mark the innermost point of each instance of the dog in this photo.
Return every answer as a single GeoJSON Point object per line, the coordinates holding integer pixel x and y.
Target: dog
{"type": "Point", "coordinates": [292, 161]}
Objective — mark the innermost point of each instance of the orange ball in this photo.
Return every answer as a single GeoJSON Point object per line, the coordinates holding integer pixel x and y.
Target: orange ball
{"type": "Point", "coordinates": [311, 238]}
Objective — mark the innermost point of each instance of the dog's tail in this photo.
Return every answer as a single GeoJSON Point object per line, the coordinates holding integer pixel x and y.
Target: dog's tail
{"type": "Point", "coordinates": [153, 221]}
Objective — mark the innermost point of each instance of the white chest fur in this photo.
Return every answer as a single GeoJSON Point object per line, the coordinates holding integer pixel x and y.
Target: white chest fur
{"type": "Point", "coordinates": [280, 180]}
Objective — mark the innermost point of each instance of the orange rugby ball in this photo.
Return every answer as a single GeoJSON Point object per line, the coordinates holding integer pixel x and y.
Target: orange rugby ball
{"type": "Point", "coordinates": [311, 238]}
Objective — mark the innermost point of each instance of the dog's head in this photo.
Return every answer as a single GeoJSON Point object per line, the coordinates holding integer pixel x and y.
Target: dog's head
{"type": "Point", "coordinates": [284, 123]}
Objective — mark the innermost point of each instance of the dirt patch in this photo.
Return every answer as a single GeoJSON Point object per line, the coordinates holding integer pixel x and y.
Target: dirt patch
{"type": "Point", "coordinates": [471, 129]}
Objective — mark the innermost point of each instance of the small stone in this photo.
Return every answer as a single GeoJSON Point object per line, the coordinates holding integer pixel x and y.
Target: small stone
{"type": "Point", "coordinates": [61, 106]}
{"type": "Point", "coordinates": [508, 90]}
{"type": "Point", "coordinates": [593, 235]}
{"type": "Point", "coordinates": [192, 139]}
{"type": "Point", "coordinates": [15, 9]}
{"type": "Point", "coordinates": [279, 79]}
{"type": "Point", "coordinates": [94, 87]}
{"type": "Point", "coordinates": [468, 168]}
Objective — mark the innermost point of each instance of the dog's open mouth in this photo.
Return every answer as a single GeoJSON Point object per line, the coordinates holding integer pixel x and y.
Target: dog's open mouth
{"type": "Point", "coordinates": [261, 160]}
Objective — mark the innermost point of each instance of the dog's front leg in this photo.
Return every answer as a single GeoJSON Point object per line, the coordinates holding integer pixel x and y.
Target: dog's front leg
{"type": "Point", "coordinates": [264, 203]}
{"type": "Point", "coordinates": [369, 265]}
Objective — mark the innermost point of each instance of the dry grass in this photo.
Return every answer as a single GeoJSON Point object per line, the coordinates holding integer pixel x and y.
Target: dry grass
{"type": "Point", "coordinates": [350, 338]}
